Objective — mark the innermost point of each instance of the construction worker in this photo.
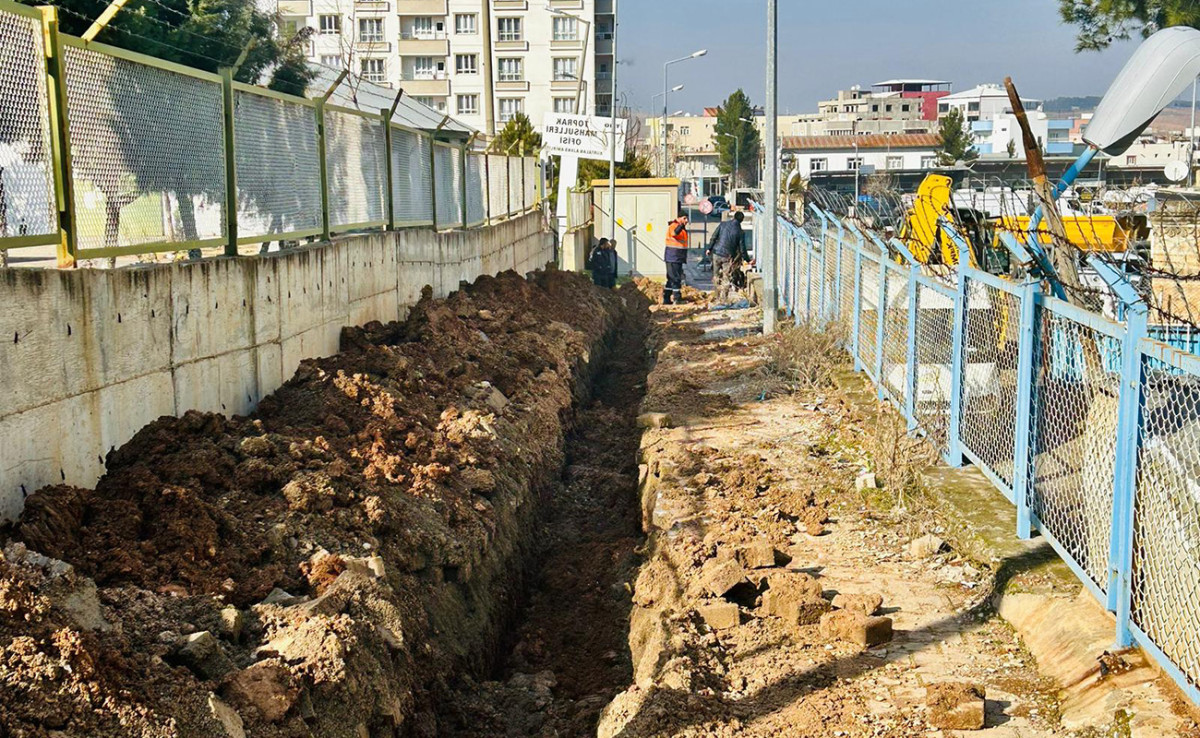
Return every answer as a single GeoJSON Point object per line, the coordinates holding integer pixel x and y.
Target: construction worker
{"type": "Point", "coordinates": [675, 256]}
{"type": "Point", "coordinates": [603, 263]}
{"type": "Point", "coordinates": [727, 246]}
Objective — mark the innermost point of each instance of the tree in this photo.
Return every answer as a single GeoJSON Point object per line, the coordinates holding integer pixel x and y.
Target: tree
{"type": "Point", "coordinates": [957, 144]}
{"type": "Point", "coordinates": [636, 165]}
{"type": "Point", "coordinates": [736, 138]}
{"type": "Point", "coordinates": [517, 138]}
{"type": "Point", "coordinates": [1011, 148]}
{"type": "Point", "coordinates": [1101, 22]}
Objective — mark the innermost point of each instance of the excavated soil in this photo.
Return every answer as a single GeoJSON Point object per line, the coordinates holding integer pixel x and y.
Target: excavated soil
{"type": "Point", "coordinates": [334, 563]}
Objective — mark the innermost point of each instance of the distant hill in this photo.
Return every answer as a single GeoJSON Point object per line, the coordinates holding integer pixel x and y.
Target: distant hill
{"type": "Point", "coordinates": [1089, 103]}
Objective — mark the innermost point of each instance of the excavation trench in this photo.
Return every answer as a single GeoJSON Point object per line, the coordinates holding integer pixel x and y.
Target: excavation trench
{"type": "Point", "coordinates": [567, 654]}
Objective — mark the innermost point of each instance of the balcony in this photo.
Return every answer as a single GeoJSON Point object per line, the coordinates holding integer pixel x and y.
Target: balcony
{"type": "Point", "coordinates": [604, 44]}
{"type": "Point", "coordinates": [411, 45]}
{"type": "Point", "coordinates": [510, 5]}
{"type": "Point", "coordinates": [512, 86]}
{"type": "Point", "coordinates": [372, 6]}
{"type": "Point", "coordinates": [295, 7]}
{"type": "Point", "coordinates": [566, 4]}
{"type": "Point", "coordinates": [564, 85]}
{"type": "Point", "coordinates": [421, 7]}
{"type": "Point", "coordinates": [503, 44]}
{"type": "Point", "coordinates": [372, 45]}
{"type": "Point", "coordinates": [563, 44]}
{"type": "Point", "coordinates": [428, 87]}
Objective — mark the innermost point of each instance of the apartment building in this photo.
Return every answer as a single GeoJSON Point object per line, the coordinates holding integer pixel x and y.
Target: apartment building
{"type": "Point", "coordinates": [467, 58]}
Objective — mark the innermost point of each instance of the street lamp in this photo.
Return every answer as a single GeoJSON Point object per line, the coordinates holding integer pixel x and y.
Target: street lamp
{"type": "Point", "coordinates": [695, 55]}
{"type": "Point", "coordinates": [582, 57]}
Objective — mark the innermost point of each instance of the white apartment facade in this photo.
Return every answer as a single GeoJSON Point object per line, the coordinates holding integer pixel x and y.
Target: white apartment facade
{"type": "Point", "coordinates": [984, 102]}
{"type": "Point", "coordinates": [540, 56]}
{"type": "Point", "coordinates": [905, 152]}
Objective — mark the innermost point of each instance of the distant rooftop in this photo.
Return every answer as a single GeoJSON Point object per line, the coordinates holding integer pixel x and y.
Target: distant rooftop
{"type": "Point", "coordinates": [892, 82]}
{"type": "Point", "coordinates": [986, 90]}
{"type": "Point", "coordinates": [871, 141]}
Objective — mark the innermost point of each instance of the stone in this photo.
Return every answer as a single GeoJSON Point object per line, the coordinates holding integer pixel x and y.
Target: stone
{"type": "Point", "coordinates": [278, 597]}
{"type": "Point", "coordinates": [804, 610]}
{"type": "Point", "coordinates": [202, 653]}
{"type": "Point", "coordinates": [925, 546]}
{"type": "Point", "coordinates": [257, 446]}
{"type": "Point", "coordinates": [848, 625]}
{"type": "Point", "coordinates": [233, 622]}
{"type": "Point", "coordinates": [721, 615]}
{"type": "Point", "coordinates": [813, 528]}
{"type": "Point", "coordinates": [955, 706]}
{"type": "Point", "coordinates": [487, 315]}
{"type": "Point", "coordinates": [265, 686]}
{"type": "Point", "coordinates": [758, 555]}
{"type": "Point", "coordinates": [720, 577]}
{"type": "Point", "coordinates": [492, 397]}
{"type": "Point", "coordinates": [867, 604]}
{"type": "Point", "coordinates": [654, 420]}
{"type": "Point", "coordinates": [230, 721]}
{"type": "Point", "coordinates": [866, 480]}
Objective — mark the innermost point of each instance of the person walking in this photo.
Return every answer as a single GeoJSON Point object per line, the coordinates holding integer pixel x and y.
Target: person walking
{"type": "Point", "coordinates": [675, 256]}
{"type": "Point", "coordinates": [728, 248]}
{"type": "Point", "coordinates": [603, 263]}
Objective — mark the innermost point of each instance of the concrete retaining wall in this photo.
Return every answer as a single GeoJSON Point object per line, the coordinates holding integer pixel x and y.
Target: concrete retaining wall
{"type": "Point", "coordinates": [88, 357]}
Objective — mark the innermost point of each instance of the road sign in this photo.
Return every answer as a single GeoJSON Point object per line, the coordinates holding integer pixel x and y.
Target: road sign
{"type": "Point", "coordinates": [706, 206]}
{"type": "Point", "coordinates": [582, 136]}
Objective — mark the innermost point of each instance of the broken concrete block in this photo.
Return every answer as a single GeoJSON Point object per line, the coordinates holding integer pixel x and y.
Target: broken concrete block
{"type": "Point", "coordinates": [758, 555]}
{"type": "Point", "coordinates": [720, 577]}
{"type": "Point", "coordinates": [865, 604]}
{"type": "Point", "coordinates": [925, 546]}
{"type": "Point", "coordinates": [806, 610]}
{"type": "Point", "coordinates": [866, 480]}
{"type": "Point", "coordinates": [847, 625]}
{"type": "Point", "coordinates": [654, 420]}
{"type": "Point", "coordinates": [813, 528]}
{"type": "Point", "coordinates": [721, 615]}
{"type": "Point", "coordinates": [202, 653]}
{"type": "Point", "coordinates": [230, 721]}
{"type": "Point", "coordinates": [233, 622]}
{"type": "Point", "coordinates": [265, 686]}
{"type": "Point", "coordinates": [954, 706]}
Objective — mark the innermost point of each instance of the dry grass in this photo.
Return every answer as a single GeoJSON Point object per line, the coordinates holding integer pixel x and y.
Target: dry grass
{"type": "Point", "coordinates": [899, 462]}
{"type": "Point", "coordinates": [805, 357]}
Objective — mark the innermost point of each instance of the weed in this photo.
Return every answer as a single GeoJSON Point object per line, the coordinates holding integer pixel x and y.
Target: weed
{"type": "Point", "coordinates": [805, 357]}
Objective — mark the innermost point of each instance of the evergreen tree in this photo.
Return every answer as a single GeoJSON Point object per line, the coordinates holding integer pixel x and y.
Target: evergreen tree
{"type": "Point", "coordinates": [1101, 22]}
{"type": "Point", "coordinates": [517, 138]}
{"type": "Point", "coordinates": [957, 142]}
{"type": "Point", "coordinates": [743, 150]}
{"type": "Point", "coordinates": [1011, 148]}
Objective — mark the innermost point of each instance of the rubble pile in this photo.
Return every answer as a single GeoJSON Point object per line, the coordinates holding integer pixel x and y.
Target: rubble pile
{"type": "Point", "coordinates": [324, 566]}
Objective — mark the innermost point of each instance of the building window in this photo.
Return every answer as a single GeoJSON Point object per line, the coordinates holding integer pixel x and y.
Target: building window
{"type": "Point", "coordinates": [564, 105]}
{"type": "Point", "coordinates": [511, 69]}
{"type": "Point", "coordinates": [422, 28]}
{"type": "Point", "coordinates": [854, 163]}
{"type": "Point", "coordinates": [602, 71]}
{"type": "Point", "coordinates": [466, 63]}
{"type": "Point", "coordinates": [331, 60]}
{"type": "Point", "coordinates": [943, 107]}
{"type": "Point", "coordinates": [509, 107]}
{"type": "Point", "coordinates": [468, 104]}
{"type": "Point", "coordinates": [370, 30]}
{"type": "Point", "coordinates": [895, 162]}
{"type": "Point", "coordinates": [818, 165]}
{"type": "Point", "coordinates": [428, 102]}
{"type": "Point", "coordinates": [565, 69]}
{"type": "Point", "coordinates": [972, 107]}
{"type": "Point", "coordinates": [928, 162]}
{"type": "Point", "coordinates": [565, 29]}
{"type": "Point", "coordinates": [289, 27]}
{"type": "Point", "coordinates": [1131, 160]}
{"type": "Point", "coordinates": [373, 70]}
{"type": "Point", "coordinates": [508, 29]}
{"type": "Point", "coordinates": [464, 24]}
{"type": "Point", "coordinates": [423, 67]}
{"type": "Point", "coordinates": [330, 24]}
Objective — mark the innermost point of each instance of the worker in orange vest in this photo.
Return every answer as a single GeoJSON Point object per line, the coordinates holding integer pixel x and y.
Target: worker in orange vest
{"type": "Point", "coordinates": [675, 257]}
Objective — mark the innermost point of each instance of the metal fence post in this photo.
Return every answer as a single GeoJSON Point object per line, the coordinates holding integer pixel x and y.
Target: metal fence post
{"type": "Point", "coordinates": [231, 188]}
{"type": "Point", "coordinates": [808, 259]}
{"type": "Point", "coordinates": [462, 184]}
{"type": "Point", "coordinates": [323, 167]}
{"type": "Point", "coordinates": [391, 176]}
{"type": "Point", "coordinates": [1129, 431]}
{"type": "Point", "coordinates": [433, 180]}
{"type": "Point", "coordinates": [837, 277]}
{"type": "Point", "coordinates": [954, 455]}
{"type": "Point", "coordinates": [795, 281]}
{"type": "Point", "coordinates": [487, 189]}
{"type": "Point", "coordinates": [910, 359]}
{"type": "Point", "coordinates": [1023, 435]}
{"type": "Point", "coordinates": [60, 138]}
{"type": "Point", "coordinates": [880, 323]}
{"type": "Point", "coordinates": [856, 307]}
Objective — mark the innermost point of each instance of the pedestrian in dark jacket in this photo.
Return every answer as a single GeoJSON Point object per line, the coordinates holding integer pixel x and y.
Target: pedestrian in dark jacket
{"type": "Point", "coordinates": [603, 263]}
{"type": "Point", "coordinates": [728, 248]}
{"type": "Point", "coordinates": [675, 256]}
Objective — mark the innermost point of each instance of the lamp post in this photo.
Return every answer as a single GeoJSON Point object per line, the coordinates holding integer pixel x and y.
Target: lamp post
{"type": "Point", "coordinates": [666, 66]}
{"type": "Point", "coordinates": [737, 158]}
{"type": "Point", "coordinates": [612, 144]}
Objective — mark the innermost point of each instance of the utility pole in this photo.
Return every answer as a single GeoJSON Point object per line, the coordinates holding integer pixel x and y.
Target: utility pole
{"type": "Point", "coordinates": [489, 89]}
{"type": "Point", "coordinates": [612, 146]}
{"type": "Point", "coordinates": [766, 257]}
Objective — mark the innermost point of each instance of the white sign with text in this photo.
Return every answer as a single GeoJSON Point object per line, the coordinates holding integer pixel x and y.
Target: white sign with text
{"type": "Point", "coordinates": [582, 136]}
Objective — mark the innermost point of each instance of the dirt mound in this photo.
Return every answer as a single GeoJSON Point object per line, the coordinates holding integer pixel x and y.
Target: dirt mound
{"type": "Point", "coordinates": [654, 292]}
{"type": "Point", "coordinates": [321, 565]}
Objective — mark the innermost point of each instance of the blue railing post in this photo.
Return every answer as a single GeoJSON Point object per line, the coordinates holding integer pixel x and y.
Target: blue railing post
{"type": "Point", "coordinates": [910, 359]}
{"type": "Point", "coordinates": [786, 237]}
{"type": "Point", "coordinates": [1129, 431]}
{"type": "Point", "coordinates": [958, 361]}
{"type": "Point", "coordinates": [824, 236]}
{"type": "Point", "coordinates": [796, 281]}
{"type": "Point", "coordinates": [881, 314]}
{"type": "Point", "coordinates": [1023, 436]}
{"type": "Point", "coordinates": [856, 307]}
{"type": "Point", "coordinates": [807, 275]}
{"type": "Point", "coordinates": [837, 278]}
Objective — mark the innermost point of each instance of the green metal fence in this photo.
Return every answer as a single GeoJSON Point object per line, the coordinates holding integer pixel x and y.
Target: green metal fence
{"type": "Point", "coordinates": [106, 152]}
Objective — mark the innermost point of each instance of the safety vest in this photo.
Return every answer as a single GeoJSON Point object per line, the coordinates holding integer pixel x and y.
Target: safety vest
{"type": "Point", "coordinates": [676, 243]}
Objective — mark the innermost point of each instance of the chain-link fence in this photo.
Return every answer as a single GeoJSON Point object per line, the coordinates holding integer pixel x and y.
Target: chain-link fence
{"type": "Point", "coordinates": [156, 156]}
{"type": "Point", "coordinates": [28, 205]}
{"type": "Point", "coordinates": [1089, 425]}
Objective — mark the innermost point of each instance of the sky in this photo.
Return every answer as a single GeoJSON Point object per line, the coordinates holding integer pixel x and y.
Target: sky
{"type": "Point", "coordinates": [830, 45]}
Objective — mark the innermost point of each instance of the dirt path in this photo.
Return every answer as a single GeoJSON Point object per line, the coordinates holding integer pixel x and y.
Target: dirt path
{"type": "Point", "coordinates": [727, 640]}
{"type": "Point", "coordinates": [568, 655]}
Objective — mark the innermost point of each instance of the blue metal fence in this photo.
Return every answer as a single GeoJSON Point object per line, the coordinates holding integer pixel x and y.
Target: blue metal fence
{"type": "Point", "coordinates": [1089, 426]}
